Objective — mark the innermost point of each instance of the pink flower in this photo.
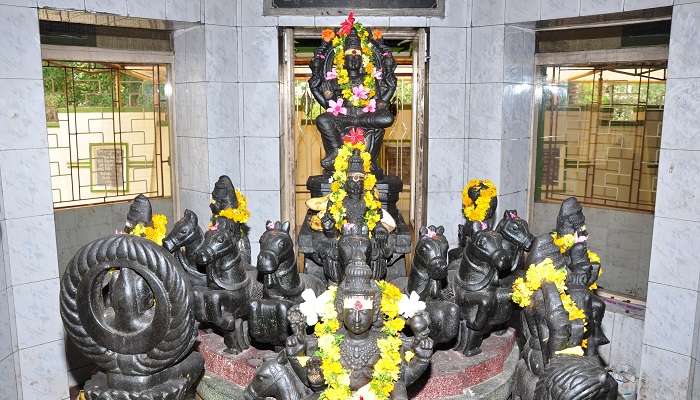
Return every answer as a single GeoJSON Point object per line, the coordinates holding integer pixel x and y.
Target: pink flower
{"type": "Point", "coordinates": [359, 92]}
{"type": "Point", "coordinates": [332, 74]}
{"type": "Point", "coordinates": [336, 107]}
{"type": "Point", "coordinates": [371, 106]}
{"type": "Point", "coordinates": [431, 234]}
{"type": "Point", "coordinates": [377, 73]}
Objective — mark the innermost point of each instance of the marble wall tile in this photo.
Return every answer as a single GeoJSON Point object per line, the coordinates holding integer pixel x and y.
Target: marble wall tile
{"type": "Point", "coordinates": [26, 184]}
{"type": "Point", "coordinates": [417, 22]}
{"type": "Point", "coordinates": [190, 51]}
{"type": "Point", "coordinates": [259, 44]}
{"type": "Point", "coordinates": [488, 12]}
{"type": "Point", "coordinates": [19, 3]}
{"type": "Point", "coordinates": [684, 35]}
{"type": "Point", "coordinates": [154, 9]}
{"type": "Point", "coordinates": [8, 378]}
{"type": "Point", "coordinates": [593, 7]}
{"type": "Point", "coordinates": [63, 4]}
{"type": "Point", "coordinates": [666, 329]}
{"type": "Point", "coordinates": [262, 163]}
{"type": "Point", "coordinates": [444, 169]}
{"type": "Point", "coordinates": [197, 202]}
{"type": "Point", "coordinates": [517, 111]}
{"type": "Point", "coordinates": [609, 330]}
{"type": "Point", "coordinates": [191, 109]}
{"type": "Point", "coordinates": [106, 6]}
{"type": "Point", "coordinates": [221, 12]}
{"type": "Point", "coordinates": [642, 4]}
{"type": "Point", "coordinates": [31, 253]}
{"type": "Point", "coordinates": [261, 109]}
{"type": "Point", "coordinates": [264, 205]}
{"type": "Point", "coordinates": [448, 110]}
{"type": "Point", "coordinates": [696, 382]}
{"type": "Point", "coordinates": [626, 345]}
{"type": "Point", "coordinates": [522, 11]}
{"type": "Point", "coordinates": [296, 20]}
{"type": "Point", "coordinates": [183, 10]}
{"type": "Point", "coordinates": [19, 30]}
{"type": "Point", "coordinates": [445, 209]}
{"type": "Point", "coordinates": [487, 54]}
{"type": "Point", "coordinates": [21, 101]}
{"type": "Point", "coordinates": [373, 21]}
{"type": "Point", "coordinates": [515, 165]}
{"type": "Point", "coordinates": [486, 111]}
{"type": "Point", "coordinates": [44, 372]}
{"type": "Point", "coordinates": [677, 191]}
{"type": "Point", "coordinates": [6, 346]}
{"type": "Point", "coordinates": [222, 109]}
{"type": "Point", "coordinates": [252, 14]}
{"type": "Point", "coordinates": [665, 375]}
{"type": "Point", "coordinates": [221, 53]}
{"type": "Point", "coordinates": [193, 164]}
{"type": "Point", "coordinates": [448, 55]}
{"type": "Point", "coordinates": [328, 21]}
{"type": "Point", "coordinates": [673, 253]}
{"type": "Point", "coordinates": [553, 9]}
{"type": "Point", "coordinates": [485, 160]}
{"type": "Point", "coordinates": [224, 159]}
{"type": "Point", "coordinates": [37, 317]}
{"type": "Point", "coordinates": [513, 201]}
{"type": "Point", "coordinates": [679, 123]}
{"type": "Point", "coordinates": [519, 55]}
{"type": "Point", "coordinates": [457, 14]}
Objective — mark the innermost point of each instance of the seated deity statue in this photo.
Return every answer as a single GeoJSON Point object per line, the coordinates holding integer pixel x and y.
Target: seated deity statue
{"type": "Point", "coordinates": [357, 350]}
{"type": "Point", "coordinates": [353, 80]}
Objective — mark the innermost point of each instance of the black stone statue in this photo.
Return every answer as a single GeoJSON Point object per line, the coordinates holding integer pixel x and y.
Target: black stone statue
{"type": "Point", "coordinates": [183, 241]}
{"type": "Point", "coordinates": [125, 305]}
{"type": "Point", "coordinates": [223, 196]}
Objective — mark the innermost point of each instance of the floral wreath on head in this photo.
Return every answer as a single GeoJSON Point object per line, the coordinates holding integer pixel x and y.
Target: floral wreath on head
{"type": "Point", "coordinates": [364, 94]}
{"type": "Point", "coordinates": [155, 232]}
{"type": "Point", "coordinates": [477, 211]}
{"type": "Point", "coordinates": [240, 214]}
{"type": "Point", "coordinates": [395, 308]}
{"type": "Point", "coordinates": [355, 140]}
{"type": "Point", "coordinates": [567, 241]}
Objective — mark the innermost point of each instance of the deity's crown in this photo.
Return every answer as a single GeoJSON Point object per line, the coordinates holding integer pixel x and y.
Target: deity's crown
{"type": "Point", "coordinates": [358, 281]}
{"type": "Point", "coordinates": [569, 218]}
{"type": "Point", "coordinates": [225, 193]}
{"type": "Point", "coordinates": [569, 207]}
{"type": "Point", "coordinates": [352, 41]}
{"type": "Point", "coordinates": [355, 163]}
{"type": "Point", "coordinates": [140, 212]}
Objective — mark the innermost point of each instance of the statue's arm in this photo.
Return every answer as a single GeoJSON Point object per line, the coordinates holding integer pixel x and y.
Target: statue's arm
{"type": "Point", "coordinates": [318, 74]}
{"type": "Point", "coordinates": [422, 347]}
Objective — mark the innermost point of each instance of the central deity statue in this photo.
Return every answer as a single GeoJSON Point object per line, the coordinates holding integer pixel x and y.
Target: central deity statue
{"type": "Point", "coordinates": [353, 80]}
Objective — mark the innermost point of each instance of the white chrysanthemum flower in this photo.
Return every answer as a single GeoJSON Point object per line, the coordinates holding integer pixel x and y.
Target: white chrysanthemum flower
{"type": "Point", "coordinates": [309, 307]}
{"type": "Point", "coordinates": [409, 306]}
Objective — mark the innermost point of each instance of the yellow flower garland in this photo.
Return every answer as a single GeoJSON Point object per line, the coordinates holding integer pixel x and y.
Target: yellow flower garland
{"type": "Point", "coordinates": [374, 207]}
{"type": "Point", "coordinates": [564, 242]}
{"type": "Point", "coordinates": [545, 271]}
{"type": "Point", "coordinates": [386, 371]}
{"type": "Point", "coordinates": [343, 78]}
{"type": "Point", "coordinates": [240, 214]}
{"type": "Point", "coordinates": [594, 258]}
{"type": "Point", "coordinates": [156, 232]}
{"type": "Point", "coordinates": [477, 211]}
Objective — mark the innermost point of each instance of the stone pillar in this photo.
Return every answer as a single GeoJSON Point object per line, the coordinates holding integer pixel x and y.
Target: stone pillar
{"type": "Point", "coordinates": [670, 350]}
{"type": "Point", "coordinates": [32, 365]}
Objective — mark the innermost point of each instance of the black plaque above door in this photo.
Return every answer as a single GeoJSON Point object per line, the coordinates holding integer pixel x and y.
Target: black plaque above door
{"type": "Point", "coordinates": [361, 7]}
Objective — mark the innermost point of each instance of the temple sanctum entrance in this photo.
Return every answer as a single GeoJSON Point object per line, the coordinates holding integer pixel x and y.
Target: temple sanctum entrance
{"type": "Point", "coordinates": [401, 155]}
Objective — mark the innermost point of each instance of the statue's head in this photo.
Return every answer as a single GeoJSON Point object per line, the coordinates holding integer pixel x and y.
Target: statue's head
{"type": "Point", "coordinates": [140, 212]}
{"type": "Point", "coordinates": [223, 196]}
{"type": "Point", "coordinates": [358, 299]}
{"type": "Point", "coordinates": [356, 174]}
{"type": "Point", "coordinates": [571, 218]}
{"type": "Point", "coordinates": [353, 52]}
{"type": "Point", "coordinates": [475, 191]}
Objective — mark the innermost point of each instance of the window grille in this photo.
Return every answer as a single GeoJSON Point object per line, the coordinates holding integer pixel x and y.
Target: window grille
{"type": "Point", "coordinates": [108, 131]}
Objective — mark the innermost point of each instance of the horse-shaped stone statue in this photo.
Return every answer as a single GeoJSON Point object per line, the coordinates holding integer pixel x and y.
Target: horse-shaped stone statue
{"type": "Point", "coordinates": [429, 271]}
{"type": "Point", "coordinates": [483, 302]}
{"type": "Point", "coordinates": [276, 379]}
{"type": "Point", "coordinates": [278, 266]}
{"type": "Point", "coordinates": [183, 242]}
{"type": "Point", "coordinates": [225, 303]}
{"type": "Point", "coordinates": [518, 238]}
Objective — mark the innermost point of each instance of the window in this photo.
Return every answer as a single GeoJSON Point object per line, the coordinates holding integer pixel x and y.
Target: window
{"type": "Point", "coordinates": [599, 135]}
{"type": "Point", "coordinates": [108, 131]}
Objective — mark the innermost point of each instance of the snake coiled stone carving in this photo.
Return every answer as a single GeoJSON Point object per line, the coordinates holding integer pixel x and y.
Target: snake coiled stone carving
{"type": "Point", "coordinates": [145, 328]}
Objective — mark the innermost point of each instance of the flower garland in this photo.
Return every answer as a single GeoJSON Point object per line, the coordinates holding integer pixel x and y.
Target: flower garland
{"type": "Point", "coordinates": [240, 214]}
{"type": "Point", "coordinates": [477, 211]}
{"type": "Point", "coordinates": [545, 271]}
{"type": "Point", "coordinates": [362, 95]}
{"type": "Point", "coordinates": [594, 258]}
{"type": "Point", "coordinates": [373, 212]}
{"type": "Point", "coordinates": [387, 370]}
{"type": "Point", "coordinates": [156, 232]}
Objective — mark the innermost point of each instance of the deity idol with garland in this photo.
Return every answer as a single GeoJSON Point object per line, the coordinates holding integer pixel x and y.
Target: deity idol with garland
{"type": "Point", "coordinates": [358, 350]}
{"type": "Point", "coordinates": [353, 80]}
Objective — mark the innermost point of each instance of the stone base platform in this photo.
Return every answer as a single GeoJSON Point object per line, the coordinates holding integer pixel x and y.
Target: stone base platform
{"type": "Point", "coordinates": [487, 376]}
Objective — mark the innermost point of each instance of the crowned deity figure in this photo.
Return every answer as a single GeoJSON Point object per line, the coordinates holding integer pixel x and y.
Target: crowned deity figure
{"type": "Point", "coordinates": [353, 80]}
{"type": "Point", "coordinates": [358, 349]}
